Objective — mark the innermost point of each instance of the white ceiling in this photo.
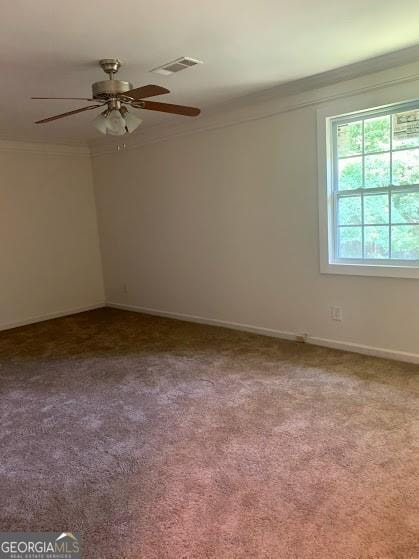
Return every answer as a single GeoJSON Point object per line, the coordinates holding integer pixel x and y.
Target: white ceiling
{"type": "Point", "coordinates": [51, 48]}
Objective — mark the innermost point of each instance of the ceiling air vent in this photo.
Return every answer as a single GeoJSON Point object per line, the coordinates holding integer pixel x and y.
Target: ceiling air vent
{"type": "Point", "coordinates": [176, 65]}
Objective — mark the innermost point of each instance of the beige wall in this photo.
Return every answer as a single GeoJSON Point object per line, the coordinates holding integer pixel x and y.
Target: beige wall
{"type": "Point", "coordinates": [49, 248]}
{"type": "Point", "coordinates": [223, 224]}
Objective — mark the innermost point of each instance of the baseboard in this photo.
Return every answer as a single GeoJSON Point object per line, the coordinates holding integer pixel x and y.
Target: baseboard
{"type": "Point", "coordinates": [49, 316]}
{"type": "Point", "coordinates": [365, 349]}
{"type": "Point", "coordinates": [293, 336]}
{"type": "Point", "coordinates": [209, 321]}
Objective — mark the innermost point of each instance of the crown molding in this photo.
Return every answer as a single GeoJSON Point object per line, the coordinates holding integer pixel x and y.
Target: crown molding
{"type": "Point", "coordinates": [381, 63]}
{"type": "Point", "coordinates": [13, 146]}
{"type": "Point", "coordinates": [288, 97]}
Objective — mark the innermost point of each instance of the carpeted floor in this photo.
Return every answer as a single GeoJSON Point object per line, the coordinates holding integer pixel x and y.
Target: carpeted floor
{"type": "Point", "coordinates": [162, 439]}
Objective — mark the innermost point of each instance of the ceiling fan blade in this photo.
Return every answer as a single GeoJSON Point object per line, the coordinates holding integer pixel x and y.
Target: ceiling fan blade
{"type": "Point", "coordinates": [69, 113]}
{"type": "Point", "coordinates": [146, 91]}
{"type": "Point", "coordinates": [71, 98]}
{"type": "Point", "coordinates": [169, 108]}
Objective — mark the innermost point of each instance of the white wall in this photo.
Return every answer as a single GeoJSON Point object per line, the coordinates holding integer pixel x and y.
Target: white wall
{"type": "Point", "coordinates": [49, 247]}
{"type": "Point", "coordinates": [223, 224]}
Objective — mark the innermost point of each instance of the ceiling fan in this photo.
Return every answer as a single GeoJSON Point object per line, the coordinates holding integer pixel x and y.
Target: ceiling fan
{"type": "Point", "coordinates": [116, 95]}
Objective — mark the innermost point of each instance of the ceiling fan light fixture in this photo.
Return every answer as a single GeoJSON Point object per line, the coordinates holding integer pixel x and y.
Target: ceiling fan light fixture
{"type": "Point", "coordinates": [117, 122]}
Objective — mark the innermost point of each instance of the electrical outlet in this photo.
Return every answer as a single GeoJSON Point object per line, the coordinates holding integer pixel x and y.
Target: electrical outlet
{"type": "Point", "coordinates": [336, 313]}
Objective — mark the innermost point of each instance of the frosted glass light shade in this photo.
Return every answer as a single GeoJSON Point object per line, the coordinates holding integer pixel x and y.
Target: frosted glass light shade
{"type": "Point", "coordinates": [132, 121]}
{"type": "Point", "coordinates": [100, 123]}
{"type": "Point", "coordinates": [116, 123]}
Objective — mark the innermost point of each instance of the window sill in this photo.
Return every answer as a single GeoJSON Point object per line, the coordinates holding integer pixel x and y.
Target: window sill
{"type": "Point", "coordinates": [378, 270]}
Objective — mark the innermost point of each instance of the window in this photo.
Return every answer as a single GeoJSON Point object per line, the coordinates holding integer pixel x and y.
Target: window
{"type": "Point", "coordinates": [373, 190]}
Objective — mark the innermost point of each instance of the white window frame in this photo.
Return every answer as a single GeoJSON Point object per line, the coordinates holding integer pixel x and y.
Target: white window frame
{"type": "Point", "coordinates": [329, 263]}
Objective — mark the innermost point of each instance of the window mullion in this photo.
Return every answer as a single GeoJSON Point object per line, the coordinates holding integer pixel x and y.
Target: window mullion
{"type": "Point", "coordinates": [380, 190]}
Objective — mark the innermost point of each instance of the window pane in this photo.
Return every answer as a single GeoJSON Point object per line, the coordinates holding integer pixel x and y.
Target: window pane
{"type": "Point", "coordinates": [350, 173]}
{"type": "Point", "coordinates": [405, 143]}
{"type": "Point", "coordinates": [405, 128]}
{"type": "Point", "coordinates": [376, 241]}
{"type": "Point", "coordinates": [349, 138]}
{"type": "Point", "coordinates": [405, 207]}
{"type": "Point", "coordinates": [377, 170]}
{"type": "Point", "coordinates": [349, 210]}
{"type": "Point", "coordinates": [376, 209]}
{"type": "Point", "coordinates": [406, 167]}
{"type": "Point", "coordinates": [350, 242]}
{"type": "Point", "coordinates": [377, 134]}
{"type": "Point", "coordinates": [405, 242]}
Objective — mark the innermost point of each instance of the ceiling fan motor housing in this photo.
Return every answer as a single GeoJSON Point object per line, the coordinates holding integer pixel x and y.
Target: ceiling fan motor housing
{"type": "Point", "coordinates": [110, 88]}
